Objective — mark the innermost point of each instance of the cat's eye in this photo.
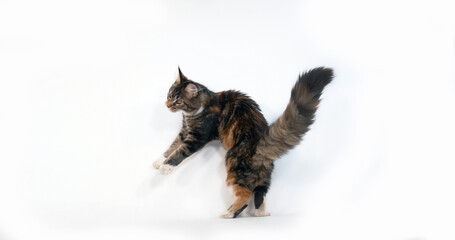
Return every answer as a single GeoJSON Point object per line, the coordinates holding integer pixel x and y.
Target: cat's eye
{"type": "Point", "coordinates": [178, 102]}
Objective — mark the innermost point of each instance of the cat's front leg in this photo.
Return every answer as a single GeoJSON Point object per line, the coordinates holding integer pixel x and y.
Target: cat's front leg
{"type": "Point", "coordinates": [186, 149]}
{"type": "Point", "coordinates": [175, 144]}
{"type": "Point", "coordinates": [159, 162]}
{"type": "Point", "coordinates": [165, 169]}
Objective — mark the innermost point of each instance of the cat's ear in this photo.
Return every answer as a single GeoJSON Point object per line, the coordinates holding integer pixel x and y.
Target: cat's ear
{"type": "Point", "coordinates": [181, 78]}
{"type": "Point", "coordinates": [191, 90]}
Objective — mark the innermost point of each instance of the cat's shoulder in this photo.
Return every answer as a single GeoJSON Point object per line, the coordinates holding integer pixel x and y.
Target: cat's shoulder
{"type": "Point", "coordinates": [232, 95]}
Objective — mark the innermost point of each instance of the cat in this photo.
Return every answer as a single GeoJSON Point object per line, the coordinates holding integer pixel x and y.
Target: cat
{"type": "Point", "coordinates": [236, 120]}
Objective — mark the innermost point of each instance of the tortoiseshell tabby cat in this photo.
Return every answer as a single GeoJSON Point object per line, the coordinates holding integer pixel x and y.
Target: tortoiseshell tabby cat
{"type": "Point", "coordinates": [236, 120]}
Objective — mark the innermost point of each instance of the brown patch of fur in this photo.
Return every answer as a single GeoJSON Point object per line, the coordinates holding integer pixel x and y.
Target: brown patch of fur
{"type": "Point", "coordinates": [241, 192]}
{"type": "Point", "coordinates": [228, 137]}
{"type": "Point", "coordinates": [230, 179]}
{"type": "Point", "coordinates": [242, 197]}
{"type": "Point", "coordinates": [214, 109]}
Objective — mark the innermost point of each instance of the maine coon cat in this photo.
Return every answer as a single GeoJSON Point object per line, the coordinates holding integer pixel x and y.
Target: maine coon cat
{"type": "Point", "coordinates": [235, 119]}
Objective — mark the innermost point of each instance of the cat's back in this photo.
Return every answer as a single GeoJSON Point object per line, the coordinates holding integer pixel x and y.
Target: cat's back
{"type": "Point", "coordinates": [238, 103]}
{"type": "Point", "coordinates": [240, 117]}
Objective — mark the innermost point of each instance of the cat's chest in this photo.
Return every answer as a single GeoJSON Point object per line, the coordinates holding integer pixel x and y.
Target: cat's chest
{"type": "Point", "coordinates": [207, 125]}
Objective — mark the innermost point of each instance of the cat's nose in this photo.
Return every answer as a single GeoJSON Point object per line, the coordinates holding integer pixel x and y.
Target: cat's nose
{"type": "Point", "coordinates": [168, 104]}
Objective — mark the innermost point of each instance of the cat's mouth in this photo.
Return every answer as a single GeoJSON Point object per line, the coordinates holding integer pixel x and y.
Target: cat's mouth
{"type": "Point", "coordinates": [171, 107]}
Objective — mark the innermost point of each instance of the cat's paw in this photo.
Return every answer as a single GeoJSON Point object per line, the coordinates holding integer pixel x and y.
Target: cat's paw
{"type": "Point", "coordinates": [157, 163]}
{"type": "Point", "coordinates": [165, 169]}
{"type": "Point", "coordinates": [227, 215]}
{"type": "Point", "coordinates": [259, 213]}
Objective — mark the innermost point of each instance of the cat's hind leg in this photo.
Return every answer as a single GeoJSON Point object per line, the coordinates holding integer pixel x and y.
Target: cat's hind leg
{"type": "Point", "coordinates": [242, 197]}
{"type": "Point", "coordinates": [259, 201]}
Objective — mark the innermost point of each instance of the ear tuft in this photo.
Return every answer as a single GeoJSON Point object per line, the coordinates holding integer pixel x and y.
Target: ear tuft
{"type": "Point", "coordinates": [181, 77]}
{"type": "Point", "coordinates": [191, 90]}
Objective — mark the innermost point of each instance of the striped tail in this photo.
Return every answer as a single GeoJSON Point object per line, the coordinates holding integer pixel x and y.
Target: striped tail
{"type": "Point", "coordinates": [290, 127]}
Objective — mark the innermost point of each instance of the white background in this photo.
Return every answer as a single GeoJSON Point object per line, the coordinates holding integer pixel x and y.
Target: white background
{"type": "Point", "coordinates": [82, 91]}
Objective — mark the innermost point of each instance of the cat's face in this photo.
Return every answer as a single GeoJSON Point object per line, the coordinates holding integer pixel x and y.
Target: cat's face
{"type": "Point", "coordinates": [183, 95]}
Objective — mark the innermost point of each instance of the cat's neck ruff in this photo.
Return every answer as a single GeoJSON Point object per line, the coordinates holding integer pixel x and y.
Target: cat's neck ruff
{"type": "Point", "coordinates": [194, 114]}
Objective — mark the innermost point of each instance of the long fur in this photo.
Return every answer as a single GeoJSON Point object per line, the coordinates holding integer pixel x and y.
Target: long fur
{"type": "Point", "coordinates": [288, 130]}
{"type": "Point", "coordinates": [236, 120]}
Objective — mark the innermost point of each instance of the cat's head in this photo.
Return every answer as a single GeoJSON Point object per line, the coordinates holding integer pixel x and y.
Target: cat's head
{"type": "Point", "coordinates": [185, 95]}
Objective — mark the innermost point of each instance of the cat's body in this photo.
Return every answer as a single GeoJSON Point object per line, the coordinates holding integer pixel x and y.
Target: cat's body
{"type": "Point", "coordinates": [236, 120]}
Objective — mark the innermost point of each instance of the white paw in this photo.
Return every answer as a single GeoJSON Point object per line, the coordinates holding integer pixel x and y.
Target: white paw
{"type": "Point", "coordinates": [157, 163]}
{"type": "Point", "coordinates": [259, 213]}
{"type": "Point", "coordinates": [227, 215]}
{"type": "Point", "coordinates": [165, 169]}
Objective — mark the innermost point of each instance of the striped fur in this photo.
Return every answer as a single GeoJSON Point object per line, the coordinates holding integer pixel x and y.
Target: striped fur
{"type": "Point", "coordinates": [287, 131]}
{"type": "Point", "coordinates": [236, 120]}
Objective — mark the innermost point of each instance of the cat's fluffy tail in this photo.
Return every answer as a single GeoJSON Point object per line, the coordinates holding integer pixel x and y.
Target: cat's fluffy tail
{"type": "Point", "coordinates": [290, 127]}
